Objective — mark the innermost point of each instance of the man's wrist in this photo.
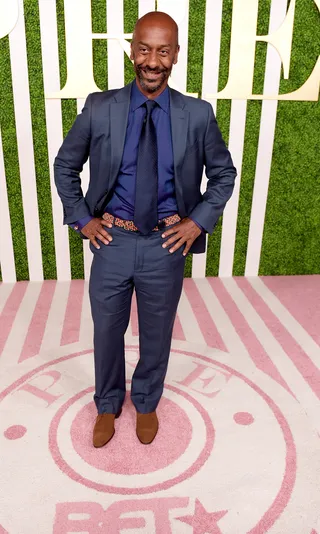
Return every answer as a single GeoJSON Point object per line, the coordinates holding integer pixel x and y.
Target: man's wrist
{"type": "Point", "coordinates": [78, 225]}
{"type": "Point", "coordinates": [198, 224]}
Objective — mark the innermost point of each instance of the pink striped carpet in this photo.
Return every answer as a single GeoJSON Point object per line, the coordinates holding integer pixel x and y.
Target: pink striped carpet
{"type": "Point", "coordinates": [238, 449]}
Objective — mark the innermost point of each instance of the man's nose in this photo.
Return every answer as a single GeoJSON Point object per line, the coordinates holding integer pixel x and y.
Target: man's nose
{"type": "Point", "coordinates": [153, 61]}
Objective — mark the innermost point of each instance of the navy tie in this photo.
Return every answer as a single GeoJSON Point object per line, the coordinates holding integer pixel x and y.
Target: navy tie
{"type": "Point", "coordinates": [146, 199]}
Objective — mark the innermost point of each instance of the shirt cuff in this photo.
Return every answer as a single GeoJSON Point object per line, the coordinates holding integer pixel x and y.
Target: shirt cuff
{"type": "Point", "coordinates": [78, 225]}
{"type": "Point", "coordinates": [199, 225]}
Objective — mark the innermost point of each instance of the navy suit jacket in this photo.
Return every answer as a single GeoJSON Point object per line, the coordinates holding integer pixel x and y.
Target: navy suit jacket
{"type": "Point", "coordinates": [99, 132]}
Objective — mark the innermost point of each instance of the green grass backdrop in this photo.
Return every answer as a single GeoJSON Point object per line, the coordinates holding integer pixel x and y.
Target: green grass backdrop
{"type": "Point", "coordinates": [292, 227]}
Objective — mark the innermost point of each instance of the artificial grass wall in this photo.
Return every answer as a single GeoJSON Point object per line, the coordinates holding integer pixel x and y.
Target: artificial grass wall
{"type": "Point", "coordinates": [292, 226]}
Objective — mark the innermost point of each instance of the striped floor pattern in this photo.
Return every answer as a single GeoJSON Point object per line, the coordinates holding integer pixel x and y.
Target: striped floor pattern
{"type": "Point", "coordinates": [238, 447]}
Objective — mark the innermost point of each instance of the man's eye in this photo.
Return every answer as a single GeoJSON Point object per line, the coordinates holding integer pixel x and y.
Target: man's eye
{"type": "Point", "coordinates": [143, 50]}
{"type": "Point", "coordinates": [164, 52]}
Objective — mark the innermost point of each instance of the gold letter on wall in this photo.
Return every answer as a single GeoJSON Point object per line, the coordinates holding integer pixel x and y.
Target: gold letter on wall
{"type": "Point", "coordinates": [242, 55]}
{"type": "Point", "coordinates": [80, 81]}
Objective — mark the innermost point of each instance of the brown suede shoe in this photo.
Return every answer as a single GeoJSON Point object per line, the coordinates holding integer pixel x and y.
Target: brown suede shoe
{"type": "Point", "coordinates": [147, 427]}
{"type": "Point", "coordinates": [104, 428]}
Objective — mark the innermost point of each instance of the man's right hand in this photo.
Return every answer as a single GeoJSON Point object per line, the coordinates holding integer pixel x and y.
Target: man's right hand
{"type": "Point", "coordinates": [95, 229]}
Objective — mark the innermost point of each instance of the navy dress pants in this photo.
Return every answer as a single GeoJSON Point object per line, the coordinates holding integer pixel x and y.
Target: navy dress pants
{"type": "Point", "coordinates": [133, 261]}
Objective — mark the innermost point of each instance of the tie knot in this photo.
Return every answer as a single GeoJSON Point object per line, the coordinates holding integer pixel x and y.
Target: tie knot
{"type": "Point", "coordinates": [150, 105]}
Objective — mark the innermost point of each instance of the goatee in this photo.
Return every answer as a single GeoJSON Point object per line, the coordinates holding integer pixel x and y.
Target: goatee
{"type": "Point", "coordinates": [154, 88]}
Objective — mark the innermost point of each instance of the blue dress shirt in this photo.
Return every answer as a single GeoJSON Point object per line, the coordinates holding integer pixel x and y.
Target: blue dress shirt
{"type": "Point", "coordinates": [121, 203]}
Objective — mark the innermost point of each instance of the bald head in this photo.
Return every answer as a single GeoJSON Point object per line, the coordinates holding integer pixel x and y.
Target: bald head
{"type": "Point", "coordinates": [157, 19]}
{"type": "Point", "coordinates": [154, 50]}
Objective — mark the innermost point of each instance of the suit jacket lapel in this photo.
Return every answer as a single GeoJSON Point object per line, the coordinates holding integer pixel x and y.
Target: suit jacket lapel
{"type": "Point", "coordinates": [179, 129]}
{"type": "Point", "coordinates": [119, 110]}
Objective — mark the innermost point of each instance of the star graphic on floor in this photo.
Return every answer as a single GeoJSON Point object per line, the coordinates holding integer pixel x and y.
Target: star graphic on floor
{"type": "Point", "coordinates": [203, 522]}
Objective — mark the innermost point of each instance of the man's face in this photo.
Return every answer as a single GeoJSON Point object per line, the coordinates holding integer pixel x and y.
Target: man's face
{"type": "Point", "coordinates": [154, 51]}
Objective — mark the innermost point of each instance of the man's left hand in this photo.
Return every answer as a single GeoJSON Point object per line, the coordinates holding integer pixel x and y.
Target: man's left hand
{"type": "Point", "coordinates": [184, 232]}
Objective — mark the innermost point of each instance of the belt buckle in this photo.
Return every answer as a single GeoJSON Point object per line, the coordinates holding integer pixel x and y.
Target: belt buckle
{"type": "Point", "coordinates": [161, 224]}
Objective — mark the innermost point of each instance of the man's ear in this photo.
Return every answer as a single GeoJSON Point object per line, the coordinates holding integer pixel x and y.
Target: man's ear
{"type": "Point", "coordinates": [175, 60]}
{"type": "Point", "coordinates": [131, 52]}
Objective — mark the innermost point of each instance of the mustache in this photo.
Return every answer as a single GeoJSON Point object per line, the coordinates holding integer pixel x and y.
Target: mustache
{"type": "Point", "coordinates": [148, 69]}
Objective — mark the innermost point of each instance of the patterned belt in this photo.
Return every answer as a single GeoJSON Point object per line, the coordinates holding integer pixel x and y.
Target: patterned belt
{"type": "Point", "coordinates": [129, 225]}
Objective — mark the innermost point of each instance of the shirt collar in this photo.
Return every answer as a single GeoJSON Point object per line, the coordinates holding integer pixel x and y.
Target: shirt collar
{"type": "Point", "coordinates": [138, 99]}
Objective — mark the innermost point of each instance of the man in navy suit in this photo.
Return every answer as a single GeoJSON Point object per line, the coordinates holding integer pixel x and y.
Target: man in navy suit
{"type": "Point", "coordinates": [143, 213]}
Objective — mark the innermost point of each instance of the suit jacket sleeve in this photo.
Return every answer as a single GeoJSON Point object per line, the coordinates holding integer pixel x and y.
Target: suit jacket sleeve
{"type": "Point", "coordinates": [221, 176]}
{"type": "Point", "coordinates": [68, 164]}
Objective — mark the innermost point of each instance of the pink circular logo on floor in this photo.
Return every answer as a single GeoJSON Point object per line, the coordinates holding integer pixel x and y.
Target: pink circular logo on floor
{"type": "Point", "coordinates": [219, 430]}
{"type": "Point", "coordinates": [177, 453]}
